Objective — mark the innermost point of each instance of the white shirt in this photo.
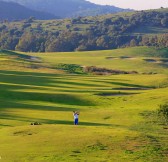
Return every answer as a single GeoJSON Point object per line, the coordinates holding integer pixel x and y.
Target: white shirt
{"type": "Point", "coordinates": [75, 116]}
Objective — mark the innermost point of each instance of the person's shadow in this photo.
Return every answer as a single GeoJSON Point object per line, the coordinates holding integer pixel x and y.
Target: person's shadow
{"type": "Point", "coordinates": [66, 122]}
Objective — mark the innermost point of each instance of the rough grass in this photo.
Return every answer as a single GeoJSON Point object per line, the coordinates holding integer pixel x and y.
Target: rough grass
{"type": "Point", "coordinates": [111, 128]}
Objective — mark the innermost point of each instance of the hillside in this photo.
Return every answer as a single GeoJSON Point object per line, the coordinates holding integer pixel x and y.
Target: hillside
{"type": "Point", "coordinates": [143, 28]}
{"type": "Point", "coordinates": [69, 8]}
{"type": "Point", "coordinates": [140, 59]}
{"type": "Point", "coordinates": [118, 118]}
{"type": "Point", "coordinates": [13, 11]}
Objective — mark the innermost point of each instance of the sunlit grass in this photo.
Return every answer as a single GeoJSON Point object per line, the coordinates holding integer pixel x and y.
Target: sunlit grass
{"type": "Point", "coordinates": [111, 128]}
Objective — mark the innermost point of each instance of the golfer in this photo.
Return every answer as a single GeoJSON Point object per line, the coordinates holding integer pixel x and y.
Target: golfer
{"type": "Point", "coordinates": [76, 115]}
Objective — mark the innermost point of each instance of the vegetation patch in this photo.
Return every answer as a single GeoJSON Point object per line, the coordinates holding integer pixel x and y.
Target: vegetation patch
{"type": "Point", "coordinates": [71, 68]}
{"type": "Point", "coordinates": [97, 146]}
{"type": "Point", "coordinates": [76, 151]}
{"type": "Point", "coordinates": [105, 71]}
{"type": "Point", "coordinates": [163, 113]}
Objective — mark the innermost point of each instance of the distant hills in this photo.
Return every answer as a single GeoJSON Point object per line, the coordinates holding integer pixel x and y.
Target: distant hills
{"type": "Point", "coordinates": [13, 11]}
{"type": "Point", "coordinates": [139, 28]}
{"type": "Point", "coordinates": [68, 8]}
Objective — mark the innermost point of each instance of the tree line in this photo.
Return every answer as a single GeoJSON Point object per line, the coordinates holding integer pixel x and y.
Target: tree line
{"type": "Point", "coordinates": [109, 33]}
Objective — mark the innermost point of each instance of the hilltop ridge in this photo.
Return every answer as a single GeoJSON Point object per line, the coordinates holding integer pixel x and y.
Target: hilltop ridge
{"type": "Point", "coordinates": [13, 11]}
{"type": "Point", "coordinates": [69, 8]}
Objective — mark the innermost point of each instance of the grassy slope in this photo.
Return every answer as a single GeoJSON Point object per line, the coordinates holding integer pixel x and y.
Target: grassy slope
{"type": "Point", "coordinates": [100, 59]}
{"type": "Point", "coordinates": [112, 128]}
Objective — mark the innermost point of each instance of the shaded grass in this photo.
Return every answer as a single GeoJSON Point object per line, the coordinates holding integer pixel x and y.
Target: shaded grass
{"type": "Point", "coordinates": [111, 128]}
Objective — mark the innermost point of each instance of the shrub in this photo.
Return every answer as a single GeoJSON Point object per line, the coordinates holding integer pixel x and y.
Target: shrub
{"type": "Point", "coordinates": [163, 112]}
{"type": "Point", "coordinates": [104, 71]}
{"type": "Point", "coordinates": [71, 68]}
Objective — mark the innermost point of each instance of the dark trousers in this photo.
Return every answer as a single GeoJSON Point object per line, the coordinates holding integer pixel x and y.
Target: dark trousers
{"type": "Point", "coordinates": [76, 121]}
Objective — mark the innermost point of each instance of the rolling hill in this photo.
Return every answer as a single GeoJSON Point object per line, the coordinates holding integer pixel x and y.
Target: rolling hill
{"type": "Point", "coordinates": [69, 8]}
{"type": "Point", "coordinates": [118, 113]}
{"type": "Point", "coordinates": [120, 93]}
{"type": "Point", "coordinates": [13, 11]}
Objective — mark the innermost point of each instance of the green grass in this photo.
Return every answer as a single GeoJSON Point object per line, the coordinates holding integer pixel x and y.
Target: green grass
{"type": "Point", "coordinates": [100, 59]}
{"type": "Point", "coordinates": [111, 128]}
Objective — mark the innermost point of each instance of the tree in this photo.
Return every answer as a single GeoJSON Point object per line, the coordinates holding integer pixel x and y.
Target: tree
{"type": "Point", "coordinates": [30, 42]}
{"type": "Point", "coordinates": [103, 42]}
{"type": "Point", "coordinates": [107, 22]}
{"type": "Point", "coordinates": [81, 47]}
{"type": "Point", "coordinates": [133, 43]}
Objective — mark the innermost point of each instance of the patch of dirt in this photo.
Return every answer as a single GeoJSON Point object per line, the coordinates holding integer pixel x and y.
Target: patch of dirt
{"type": "Point", "coordinates": [36, 59]}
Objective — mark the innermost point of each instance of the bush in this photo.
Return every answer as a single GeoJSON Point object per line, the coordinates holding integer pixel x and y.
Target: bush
{"type": "Point", "coordinates": [71, 68]}
{"type": "Point", "coordinates": [104, 71]}
{"type": "Point", "coordinates": [163, 113]}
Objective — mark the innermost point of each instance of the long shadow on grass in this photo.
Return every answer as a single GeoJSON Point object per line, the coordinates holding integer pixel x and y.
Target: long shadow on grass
{"type": "Point", "coordinates": [39, 75]}
{"type": "Point", "coordinates": [57, 88]}
{"type": "Point", "coordinates": [27, 74]}
{"type": "Point", "coordinates": [35, 79]}
{"type": "Point", "coordinates": [65, 99]}
{"type": "Point", "coordinates": [25, 79]}
{"type": "Point", "coordinates": [127, 84]}
{"type": "Point", "coordinates": [52, 80]}
{"type": "Point", "coordinates": [24, 56]}
{"type": "Point", "coordinates": [65, 122]}
{"type": "Point", "coordinates": [48, 121]}
{"type": "Point", "coordinates": [8, 105]}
